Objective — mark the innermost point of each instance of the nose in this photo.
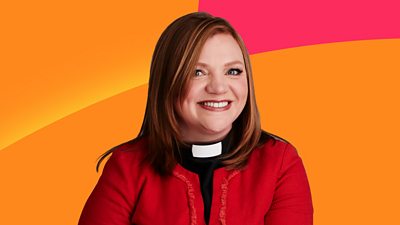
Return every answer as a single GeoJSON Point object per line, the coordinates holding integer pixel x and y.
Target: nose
{"type": "Point", "coordinates": [217, 84]}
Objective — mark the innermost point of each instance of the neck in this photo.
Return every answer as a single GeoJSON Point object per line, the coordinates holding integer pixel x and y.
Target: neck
{"type": "Point", "coordinates": [204, 138]}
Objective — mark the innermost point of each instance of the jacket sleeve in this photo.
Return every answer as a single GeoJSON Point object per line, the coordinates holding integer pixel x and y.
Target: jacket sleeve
{"type": "Point", "coordinates": [292, 203]}
{"type": "Point", "coordinates": [112, 200]}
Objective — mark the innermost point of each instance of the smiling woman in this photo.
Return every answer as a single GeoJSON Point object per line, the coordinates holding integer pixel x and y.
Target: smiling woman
{"type": "Point", "coordinates": [217, 93]}
{"type": "Point", "coordinates": [201, 156]}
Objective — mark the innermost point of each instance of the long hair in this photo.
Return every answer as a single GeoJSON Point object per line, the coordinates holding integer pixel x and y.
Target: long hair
{"type": "Point", "coordinates": [173, 63]}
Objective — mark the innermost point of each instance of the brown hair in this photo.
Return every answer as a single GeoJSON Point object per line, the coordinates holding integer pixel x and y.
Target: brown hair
{"type": "Point", "coordinates": [173, 63]}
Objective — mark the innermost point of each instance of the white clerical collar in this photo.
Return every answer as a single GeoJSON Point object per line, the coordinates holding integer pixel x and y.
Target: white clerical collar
{"type": "Point", "coordinates": [204, 151]}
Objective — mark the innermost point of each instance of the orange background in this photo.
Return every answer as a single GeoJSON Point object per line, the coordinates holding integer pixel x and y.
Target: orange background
{"type": "Point", "coordinates": [74, 85]}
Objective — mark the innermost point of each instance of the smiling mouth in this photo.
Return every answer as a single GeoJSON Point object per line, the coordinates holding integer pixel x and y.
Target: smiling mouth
{"type": "Point", "coordinates": [215, 104]}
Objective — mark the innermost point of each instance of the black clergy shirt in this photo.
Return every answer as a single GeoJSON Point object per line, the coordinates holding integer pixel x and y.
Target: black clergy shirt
{"type": "Point", "coordinates": [204, 167]}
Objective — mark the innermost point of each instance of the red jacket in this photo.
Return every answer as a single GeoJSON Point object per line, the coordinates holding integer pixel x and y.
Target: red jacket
{"type": "Point", "coordinates": [272, 190]}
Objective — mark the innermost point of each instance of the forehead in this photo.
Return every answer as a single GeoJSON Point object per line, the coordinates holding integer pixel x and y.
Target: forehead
{"type": "Point", "coordinates": [220, 49]}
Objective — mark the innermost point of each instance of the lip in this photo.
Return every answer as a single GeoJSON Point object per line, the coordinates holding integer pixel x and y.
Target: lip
{"type": "Point", "coordinates": [223, 100]}
{"type": "Point", "coordinates": [216, 109]}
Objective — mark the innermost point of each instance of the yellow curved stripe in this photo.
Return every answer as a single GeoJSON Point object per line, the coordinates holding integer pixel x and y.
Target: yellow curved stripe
{"type": "Point", "coordinates": [60, 57]}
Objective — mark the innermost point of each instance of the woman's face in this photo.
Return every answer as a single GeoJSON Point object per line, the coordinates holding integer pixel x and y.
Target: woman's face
{"type": "Point", "coordinates": [217, 91]}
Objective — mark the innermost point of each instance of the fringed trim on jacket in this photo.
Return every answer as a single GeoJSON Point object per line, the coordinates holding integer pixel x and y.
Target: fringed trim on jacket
{"type": "Point", "coordinates": [224, 188]}
{"type": "Point", "coordinates": [190, 193]}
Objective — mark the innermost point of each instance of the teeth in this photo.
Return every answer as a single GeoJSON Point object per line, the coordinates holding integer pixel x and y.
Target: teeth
{"type": "Point", "coordinates": [215, 104]}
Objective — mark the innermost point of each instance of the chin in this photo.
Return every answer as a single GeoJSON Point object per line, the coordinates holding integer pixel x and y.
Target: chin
{"type": "Point", "coordinates": [213, 129]}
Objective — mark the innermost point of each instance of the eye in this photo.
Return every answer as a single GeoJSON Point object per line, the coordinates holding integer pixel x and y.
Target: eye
{"type": "Point", "coordinates": [235, 71]}
{"type": "Point", "coordinates": [198, 73]}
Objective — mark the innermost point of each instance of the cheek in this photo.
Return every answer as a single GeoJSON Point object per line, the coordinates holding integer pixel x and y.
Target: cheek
{"type": "Point", "coordinates": [192, 94]}
{"type": "Point", "coordinates": [243, 90]}
{"type": "Point", "coordinates": [188, 103]}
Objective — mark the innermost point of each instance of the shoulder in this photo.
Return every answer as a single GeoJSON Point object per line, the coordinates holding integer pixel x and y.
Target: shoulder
{"type": "Point", "coordinates": [118, 188]}
{"type": "Point", "coordinates": [132, 147]}
{"type": "Point", "coordinates": [273, 151]}
{"type": "Point", "coordinates": [273, 144]}
{"type": "Point", "coordinates": [128, 155]}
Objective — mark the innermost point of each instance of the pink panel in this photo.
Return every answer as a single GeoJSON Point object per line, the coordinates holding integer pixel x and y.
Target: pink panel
{"type": "Point", "coordinates": [269, 25]}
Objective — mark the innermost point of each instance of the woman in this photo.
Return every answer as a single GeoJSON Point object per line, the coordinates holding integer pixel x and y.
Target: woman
{"type": "Point", "coordinates": [201, 156]}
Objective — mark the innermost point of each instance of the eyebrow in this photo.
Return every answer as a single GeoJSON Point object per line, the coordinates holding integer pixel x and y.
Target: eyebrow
{"type": "Point", "coordinates": [226, 64]}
